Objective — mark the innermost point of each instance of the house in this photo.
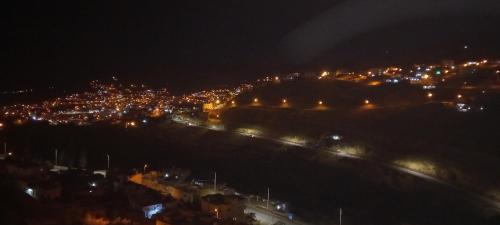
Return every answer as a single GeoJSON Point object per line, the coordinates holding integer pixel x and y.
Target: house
{"type": "Point", "coordinates": [224, 207]}
{"type": "Point", "coordinates": [144, 199]}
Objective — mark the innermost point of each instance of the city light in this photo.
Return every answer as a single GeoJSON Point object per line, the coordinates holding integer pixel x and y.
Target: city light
{"type": "Point", "coordinates": [30, 192]}
{"type": "Point", "coordinates": [429, 95]}
{"type": "Point", "coordinates": [255, 100]}
{"type": "Point", "coordinates": [336, 137]}
{"type": "Point", "coordinates": [320, 102]}
{"type": "Point", "coordinates": [284, 101]}
{"type": "Point", "coordinates": [367, 101]}
{"type": "Point", "coordinates": [324, 74]}
{"type": "Point", "coordinates": [217, 101]}
{"type": "Point", "coordinates": [459, 96]}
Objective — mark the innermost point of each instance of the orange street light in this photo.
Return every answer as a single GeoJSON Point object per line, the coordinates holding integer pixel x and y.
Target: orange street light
{"type": "Point", "coordinates": [217, 101]}
{"type": "Point", "coordinates": [367, 101]}
{"type": "Point", "coordinates": [284, 100]}
{"type": "Point", "coordinates": [255, 100]}
{"type": "Point", "coordinates": [320, 102]}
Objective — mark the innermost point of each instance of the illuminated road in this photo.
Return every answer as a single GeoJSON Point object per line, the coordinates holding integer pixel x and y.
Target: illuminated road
{"type": "Point", "coordinates": [268, 217]}
{"type": "Point", "coordinates": [470, 195]}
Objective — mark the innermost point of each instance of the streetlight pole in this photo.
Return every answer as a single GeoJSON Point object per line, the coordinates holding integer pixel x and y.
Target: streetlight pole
{"type": "Point", "coordinates": [144, 170]}
{"type": "Point", "coordinates": [107, 155]}
{"type": "Point", "coordinates": [215, 183]}
{"type": "Point", "coordinates": [340, 218]}
{"type": "Point", "coordinates": [267, 203]}
{"type": "Point", "coordinates": [56, 157]}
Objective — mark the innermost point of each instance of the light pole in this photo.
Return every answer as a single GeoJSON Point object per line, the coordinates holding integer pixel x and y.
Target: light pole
{"type": "Point", "coordinates": [56, 157]}
{"type": "Point", "coordinates": [267, 203]}
{"type": "Point", "coordinates": [215, 183]}
{"type": "Point", "coordinates": [107, 155]}
{"type": "Point", "coordinates": [216, 213]}
{"type": "Point", "coordinates": [340, 218]}
{"type": "Point", "coordinates": [144, 170]}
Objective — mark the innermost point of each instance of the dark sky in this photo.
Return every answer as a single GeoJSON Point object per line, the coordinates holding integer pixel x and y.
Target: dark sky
{"type": "Point", "coordinates": [193, 44]}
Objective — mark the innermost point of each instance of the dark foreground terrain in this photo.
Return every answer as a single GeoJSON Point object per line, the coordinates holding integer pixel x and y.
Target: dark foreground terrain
{"type": "Point", "coordinates": [317, 184]}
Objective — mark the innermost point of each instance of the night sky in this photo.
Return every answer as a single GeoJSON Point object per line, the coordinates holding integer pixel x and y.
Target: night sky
{"type": "Point", "coordinates": [195, 44]}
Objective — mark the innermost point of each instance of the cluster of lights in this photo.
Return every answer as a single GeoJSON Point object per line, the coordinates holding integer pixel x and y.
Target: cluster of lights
{"type": "Point", "coordinates": [217, 96]}
{"type": "Point", "coordinates": [105, 102]}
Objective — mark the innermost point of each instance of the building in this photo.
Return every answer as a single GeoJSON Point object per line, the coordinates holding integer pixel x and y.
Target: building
{"type": "Point", "coordinates": [224, 207]}
{"type": "Point", "coordinates": [144, 199]}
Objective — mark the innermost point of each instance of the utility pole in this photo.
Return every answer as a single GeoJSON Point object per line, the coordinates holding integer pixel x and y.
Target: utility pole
{"type": "Point", "coordinates": [215, 183]}
{"type": "Point", "coordinates": [340, 218]}
{"type": "Point", "coordinates": [56, 156]}
{"type": "Point", "coordinates": [267, 203]}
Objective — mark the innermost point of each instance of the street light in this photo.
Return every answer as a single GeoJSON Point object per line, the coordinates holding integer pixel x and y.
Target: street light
{"type": "Point", "coordinates": [144, 170]}
{"type": "Point", "coordinates": [320, 102]}
{"type": "Point", "coordinates": [216, 213]}
{"type": "Point", "coordinates": [367, 101]}
{"type": "Point", "coordinates": [459, 96]}
{"type": "Point", "coordinates": [255, 100]}
{"type": "Point", "coordinates": [429, 95]}
{"type": "Point", "coordinates": [284, 101]}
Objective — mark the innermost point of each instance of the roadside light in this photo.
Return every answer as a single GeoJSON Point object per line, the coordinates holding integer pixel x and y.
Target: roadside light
{"type": "Point", "coordinates": [255, 100]}
{"type": "Point", "coordinates": [217, 101]}
{"type": "Point", "coordinates": [233, 102]}
{"type": "Point", "coordinates": [276, 78]}
{"type": "Point", "coordinates": [429, 95]}
{"type": "Point", "coordinates": [284, 101]}
{"type": "Point", "coordinates": [459, 96]}
{"type": "Point", "coordinates": [367, 101]}
{"type": "Point", "coordinates": [320, 102]}
{"type": "Point", "coordinates": [10, 153]}
{"type": "Point", "coordinates": [217, 115]}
